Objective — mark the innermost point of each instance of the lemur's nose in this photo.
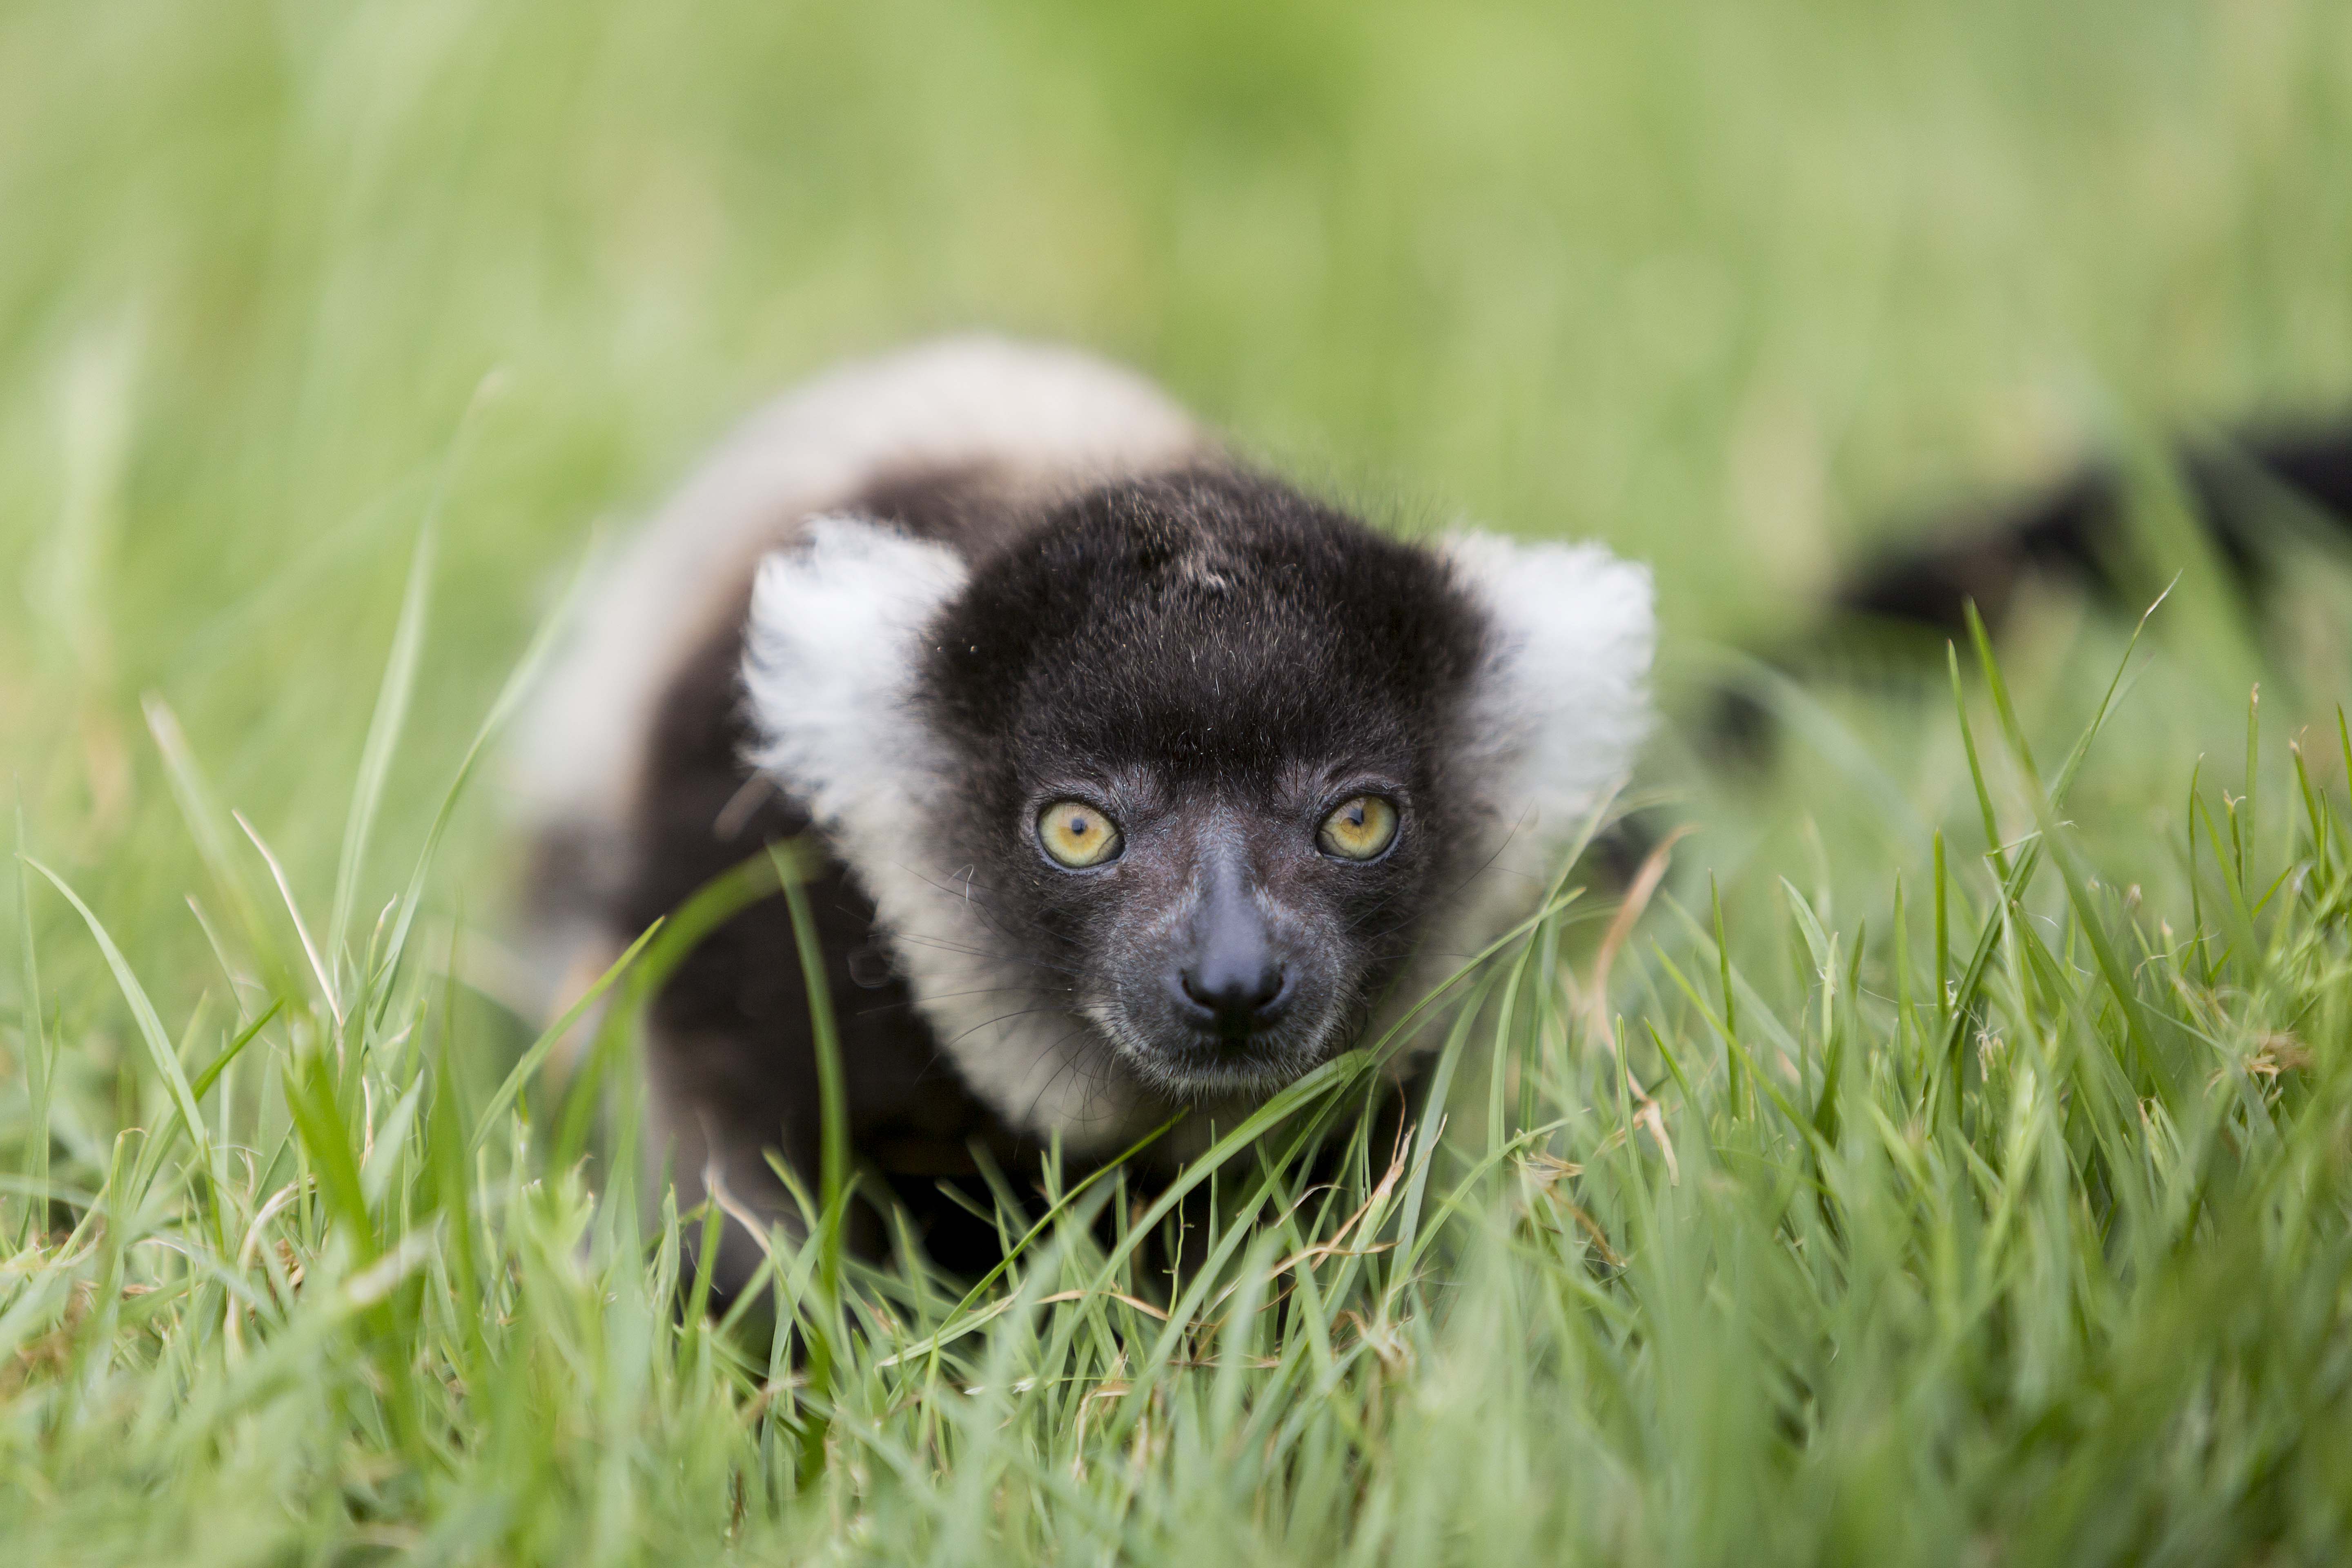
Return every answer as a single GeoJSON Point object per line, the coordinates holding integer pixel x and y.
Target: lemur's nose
{"type": "Point", "coordinates": [1241, 994]}
{"type": "Point", "coordinates": [1232, 981]}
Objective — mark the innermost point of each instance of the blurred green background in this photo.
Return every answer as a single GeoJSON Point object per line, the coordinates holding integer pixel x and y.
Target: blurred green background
{"type": "Point", "coordinates": [1734, 286]}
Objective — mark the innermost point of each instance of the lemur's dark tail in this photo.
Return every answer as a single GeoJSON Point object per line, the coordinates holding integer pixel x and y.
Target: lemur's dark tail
{"type": "Point", "coordinates": [2248, 496]}
{"type": "Point", "coordinates": [2243, 494]}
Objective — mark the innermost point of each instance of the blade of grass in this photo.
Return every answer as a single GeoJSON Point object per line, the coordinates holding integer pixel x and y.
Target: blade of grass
{"type": "Point", "coordinates": [159, 1046]}
{"type": "Point", "coordinates": [40, 1060]}
{"type": "Point", "coordinates": [1737, 1074]}
{"type": "Point", "coordinates": [833, 1159]}
{"type": "Point", "coordinates": [390, 718]}
{"type": "Point", "coordinates": [536, 1055]}
{"type": "Point", "coordinates": [201, 812]}
{"type": "Point", "coordinates": [319, 971]}
{"type": "Point", "coordinates": [520, 682]}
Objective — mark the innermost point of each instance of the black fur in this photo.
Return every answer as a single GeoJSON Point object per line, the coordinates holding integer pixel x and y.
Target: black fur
{"type": "Point", "coordinates": [1208, 653]}
{"type": "Point", "coordinates": [729, 1036]}
{"type": "Point", "coordinates": [2240, 494]}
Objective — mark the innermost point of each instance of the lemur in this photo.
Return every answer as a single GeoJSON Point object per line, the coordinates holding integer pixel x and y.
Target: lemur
{"type": "Point", "coordinates": [1142, 779]}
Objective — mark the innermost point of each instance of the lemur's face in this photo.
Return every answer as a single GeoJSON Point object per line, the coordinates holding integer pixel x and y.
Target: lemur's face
{"type": "Point", "coordinates": [1202, 769]}
{"type": "Point", "coordinates": [1223, 934]}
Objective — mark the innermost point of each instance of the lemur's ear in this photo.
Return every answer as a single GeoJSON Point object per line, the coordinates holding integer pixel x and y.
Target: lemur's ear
{"type": "Point", "coordinates": [1562, 703]}
{"type": "Point", "coordinates": [829, 665]}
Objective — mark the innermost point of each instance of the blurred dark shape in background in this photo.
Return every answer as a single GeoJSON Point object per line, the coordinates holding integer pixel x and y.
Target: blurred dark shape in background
{"type": "Point", "coordinates": [2251, 499]}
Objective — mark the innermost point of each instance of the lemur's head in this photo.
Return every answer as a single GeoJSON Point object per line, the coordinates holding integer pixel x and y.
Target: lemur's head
{"type": "Point", "coordinates": [1173, 784]}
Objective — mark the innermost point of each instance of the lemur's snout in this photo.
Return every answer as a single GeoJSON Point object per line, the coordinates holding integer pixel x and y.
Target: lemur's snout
{"type": "Point", "coordinates": [1232, 982]}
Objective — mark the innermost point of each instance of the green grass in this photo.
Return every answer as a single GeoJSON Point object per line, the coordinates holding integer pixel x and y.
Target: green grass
{"type": "Point", "coordinates": [2006, 1212]}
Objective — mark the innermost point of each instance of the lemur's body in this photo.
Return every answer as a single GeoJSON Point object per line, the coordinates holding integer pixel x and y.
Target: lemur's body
{"type": "Point", "coordinates": [1147, 780]}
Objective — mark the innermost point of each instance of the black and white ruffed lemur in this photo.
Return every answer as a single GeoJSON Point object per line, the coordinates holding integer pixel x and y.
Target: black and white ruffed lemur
{"type": "Point", "coordinates": [1145, 780]}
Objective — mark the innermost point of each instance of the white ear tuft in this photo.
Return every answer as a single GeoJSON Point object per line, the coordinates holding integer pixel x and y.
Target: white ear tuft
{"type": "Point", "coordinates": [829, 665]}
{"type": "Point", "coordinates": [1563, 703]}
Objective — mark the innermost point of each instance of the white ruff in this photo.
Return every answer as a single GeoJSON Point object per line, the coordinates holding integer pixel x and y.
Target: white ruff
{"type": "Point", "coordinates": [1563, 703]}
{"type": "Point", "coordinates": [1556, 714]}
{"type": "Point", "coordinates": [835, 633]}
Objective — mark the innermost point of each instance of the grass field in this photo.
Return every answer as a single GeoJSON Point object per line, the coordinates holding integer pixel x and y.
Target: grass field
{"type": "Point", "coordinates": [1952, 1163]}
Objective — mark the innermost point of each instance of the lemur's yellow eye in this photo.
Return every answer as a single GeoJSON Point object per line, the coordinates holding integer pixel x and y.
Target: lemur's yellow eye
{"type": "Point", "coordinates": [1075, 834]}
{"type": "Point", "coordinates": [1358, 829]}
